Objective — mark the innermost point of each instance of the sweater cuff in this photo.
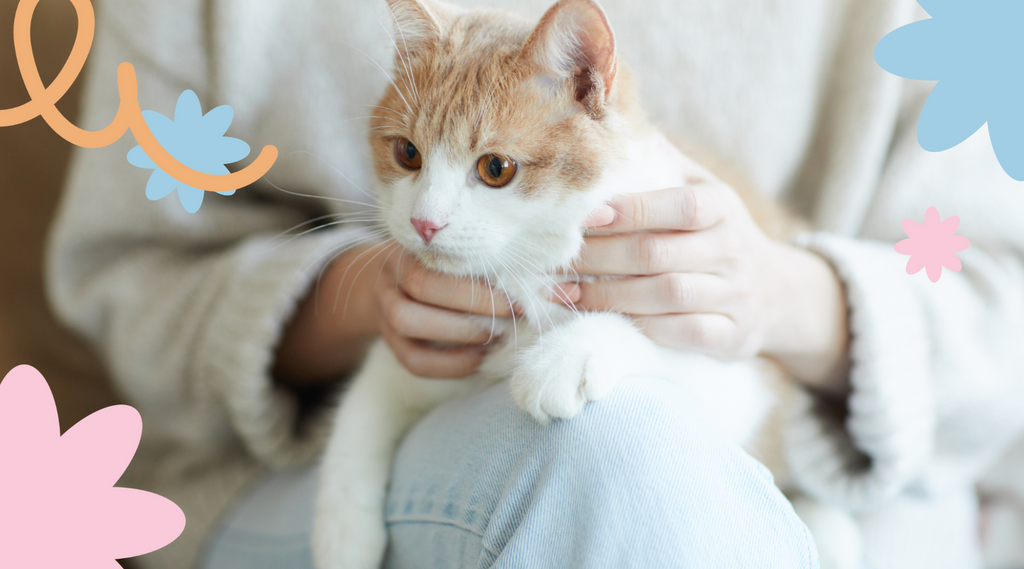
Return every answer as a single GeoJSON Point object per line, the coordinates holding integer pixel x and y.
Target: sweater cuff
{"type": "Point", "coordinates": [236, 354]}
{"type": "Point", "coordinates": [863, 455]}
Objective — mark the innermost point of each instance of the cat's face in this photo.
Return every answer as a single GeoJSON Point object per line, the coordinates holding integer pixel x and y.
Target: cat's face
{"type": "Point", "coordinates": [490, 145]}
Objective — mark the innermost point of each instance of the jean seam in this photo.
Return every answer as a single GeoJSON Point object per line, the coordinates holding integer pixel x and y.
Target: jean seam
{"type": "Point", "coordinates": [429, 520]}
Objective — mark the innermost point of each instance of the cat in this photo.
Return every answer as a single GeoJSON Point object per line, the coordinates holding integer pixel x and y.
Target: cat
{"type": "Point", "coordinates": [504, 135]}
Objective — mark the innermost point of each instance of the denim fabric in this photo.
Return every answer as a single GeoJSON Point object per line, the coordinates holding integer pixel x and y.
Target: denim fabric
{"type": "Point", "coordinates": [638, 479]}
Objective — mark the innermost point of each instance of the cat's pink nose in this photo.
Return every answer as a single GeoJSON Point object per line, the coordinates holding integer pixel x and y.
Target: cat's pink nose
{"type": "Point", "coordinates": [426, 229]}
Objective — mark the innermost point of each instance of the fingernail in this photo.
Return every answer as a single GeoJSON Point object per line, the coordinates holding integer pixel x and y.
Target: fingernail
{"type": "Point", "coordinates": [600, 217]}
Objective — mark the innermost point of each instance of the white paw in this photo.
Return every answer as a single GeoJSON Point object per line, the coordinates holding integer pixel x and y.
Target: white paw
{"type": "Point", "coordinates": [355, 539]}
{"type": "Point", "coordinates": [570, 366]}
{"type": "Point", "coordinates": [835, 533]}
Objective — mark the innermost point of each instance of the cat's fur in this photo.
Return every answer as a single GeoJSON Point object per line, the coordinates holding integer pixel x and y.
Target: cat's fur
{"type": "Point", "coordinates": [554, 97]}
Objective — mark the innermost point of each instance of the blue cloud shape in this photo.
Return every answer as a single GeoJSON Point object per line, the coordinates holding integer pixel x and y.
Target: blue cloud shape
{"type": "Point", "coordinates": [973, 49]}
{"type": "Point", "coordinates": [196, 141]}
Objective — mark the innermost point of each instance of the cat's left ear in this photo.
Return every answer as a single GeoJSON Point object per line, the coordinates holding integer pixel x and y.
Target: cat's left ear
{"type": "Point", "coordinates": [575, 41]}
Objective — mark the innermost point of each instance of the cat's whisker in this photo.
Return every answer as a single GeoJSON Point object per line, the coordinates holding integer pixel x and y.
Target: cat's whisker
{"type": "Point", "coordinates": [307, 222]}
{"type": "Point", "coordinates": [317, 197]}
{"type": "Point", "coordinates": [374, 117]}
{"type": "Point", "coordinates": [494, 309]}
{"type": "Point", "coordinates": [386, 74]}
{"type": "Point", "coordinates": [391, 249]}
{"type": "Point", "coordinates": [406, 60]}
{"type": "Point", "coordinates": [335, 252]}
{"type": "Point", "coordinates": [515, 328]}
{"type": "Point", "coordinates": [526, 289]}
{"type": "Point", "coordinates": [337, 296]}
{"type": "Point", "coordinates": [399, 113]}
{"type": "Point", "coordinates": [366, 192]}
{"type": "Point", "coordinates": [324, 226]}
{"type": "Point", "coordinates": [556, 290]}
{"type": "Point", "coordinates": [490, 288]}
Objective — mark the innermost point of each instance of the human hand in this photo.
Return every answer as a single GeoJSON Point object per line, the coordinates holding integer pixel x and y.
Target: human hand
{"type": "Point", "coordinates": [705, 278]}
{"type": "Point", "coordinates": [419, 308]}
{"type": "Point", "coordinates": [369, 292]}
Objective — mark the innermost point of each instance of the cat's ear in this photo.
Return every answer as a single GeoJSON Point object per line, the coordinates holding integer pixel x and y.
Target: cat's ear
{"type": "Point", "coordinates": [417, 25]}
{"type": "Point", "coordinates": [575, 41]}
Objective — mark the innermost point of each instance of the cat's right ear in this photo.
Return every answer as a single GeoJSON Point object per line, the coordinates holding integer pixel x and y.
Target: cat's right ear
{"type": "Point", "coordinates": [575, 41]}
{"type": "Point", "coordinates": [417, 25]}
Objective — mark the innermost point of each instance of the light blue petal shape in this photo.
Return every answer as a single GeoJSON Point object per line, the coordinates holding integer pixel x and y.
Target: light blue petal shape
{"type": "Point", "coordinates": [188, 113]}
{"type": "Point", "coordinates": [160, 184]}
{"type": "Point", "coordinates": [231, 193]}
{"type": "Point", "coordinates": [936, 8]}
{"type": "Point", "coordinates": [916, 51]}
{"type": "Point", "coordinates": [137, 157]}
{"type": "Point", "coordinates": [191, 198]}
{"type": "Point", "coordinates": [1007, 134]}
{"type": "Point", "coordinates": [217, 121]}
{"type": "Point", "coordinates": [950, 115]}
{"type": "Point", "coordinates": [161, 126]}
{"type": "Point", "coordinates": [230, 150]}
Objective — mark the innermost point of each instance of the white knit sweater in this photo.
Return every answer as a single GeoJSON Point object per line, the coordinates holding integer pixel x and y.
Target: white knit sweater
{"type": "Point", "coordinates": [187, 308]}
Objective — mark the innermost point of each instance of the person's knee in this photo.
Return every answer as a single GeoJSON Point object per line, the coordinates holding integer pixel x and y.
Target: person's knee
{"type": "Point", "coordinates": [645, 421]}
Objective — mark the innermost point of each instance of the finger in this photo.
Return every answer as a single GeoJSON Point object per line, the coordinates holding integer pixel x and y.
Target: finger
{"type": "Point", "coordinates": [425, 361]}
{"type": "Point", "coordinates": [445, 291]}
{"type": "Point", "coordinates": [688, 208]}
{"type": "Point", "coordinates": [711, 334]}
{"type": "Point", "coordinates": [566, 293]}
{"type": "Point", "coordinates": [650, 254]}
{"type": "Point", "coordinates": [672, 293]}
{"type": "Point", "coordinates": [424, 322]}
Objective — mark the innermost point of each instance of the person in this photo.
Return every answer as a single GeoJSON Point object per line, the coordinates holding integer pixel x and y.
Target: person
{"type": "Point", "coordinates": [230, 333]}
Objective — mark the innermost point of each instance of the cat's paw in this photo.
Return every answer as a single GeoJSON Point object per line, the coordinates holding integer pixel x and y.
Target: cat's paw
{"type": "Point", "coordinates": [352, 539]}
{"type": "Point", "coordinates": [578, 362]}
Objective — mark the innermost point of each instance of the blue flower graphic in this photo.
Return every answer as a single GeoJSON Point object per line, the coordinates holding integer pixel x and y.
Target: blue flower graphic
{"type": "Point", "coordinates": [973, 49]}
{"type": "Point", "coordinates": [195, 140]}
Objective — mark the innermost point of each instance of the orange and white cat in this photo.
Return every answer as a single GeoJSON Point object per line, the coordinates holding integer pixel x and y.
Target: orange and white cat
{"type": "Point", "coordinates": [496, 140]}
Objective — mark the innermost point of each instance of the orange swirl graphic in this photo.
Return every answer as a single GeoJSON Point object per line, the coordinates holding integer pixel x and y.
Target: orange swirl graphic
{"type": "Point", "coordinates": [43, 102]}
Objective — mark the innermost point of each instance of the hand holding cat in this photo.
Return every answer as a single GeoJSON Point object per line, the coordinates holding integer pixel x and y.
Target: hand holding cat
{"type": "Point", "coordinates": [698, 274]}
{"type": "Point", "coordinates": [397, 298]}
{"type": "Point", "coordinates": [419, 307]}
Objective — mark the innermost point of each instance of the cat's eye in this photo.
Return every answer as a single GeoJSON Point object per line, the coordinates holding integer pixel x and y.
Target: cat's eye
{"type": "Point", "coordinates": [495, 170]}
{"type": "Point", "coordinates": [407, 154]}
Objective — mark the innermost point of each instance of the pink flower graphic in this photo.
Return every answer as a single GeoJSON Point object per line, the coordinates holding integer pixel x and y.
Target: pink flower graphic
{"type": "Point", "coordinates": [58, 503]}
{"type": "Point", "coordinates": [933, 245]}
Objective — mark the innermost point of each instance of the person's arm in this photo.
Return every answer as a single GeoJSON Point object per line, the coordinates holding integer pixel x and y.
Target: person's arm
{"type": "Point", "coordinates": [186, 309]}
{"type": "Point", "coordinates": [214, 323]}
{"type": "Point", "coordinates": [905, 374]}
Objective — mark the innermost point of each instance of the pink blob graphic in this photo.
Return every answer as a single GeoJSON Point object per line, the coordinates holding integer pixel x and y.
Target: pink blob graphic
{"type": "Point", "coordinates": [59, 507]}
{"type": "Point", "coordinates": [933, 245]}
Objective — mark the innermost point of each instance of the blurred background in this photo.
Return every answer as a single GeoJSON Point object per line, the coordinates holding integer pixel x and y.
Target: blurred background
{"type": "Point", "coordinates": [33, 161]}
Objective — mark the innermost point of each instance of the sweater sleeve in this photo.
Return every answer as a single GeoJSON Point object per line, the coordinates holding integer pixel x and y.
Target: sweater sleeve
{"type": "Point", "coordinates": [185, 308]}
{"type": "Point", "coordinates": [937, 374]}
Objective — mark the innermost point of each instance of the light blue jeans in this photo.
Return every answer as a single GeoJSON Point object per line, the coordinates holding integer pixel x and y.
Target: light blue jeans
{"type": "Point", "coordinates": [638, 479]}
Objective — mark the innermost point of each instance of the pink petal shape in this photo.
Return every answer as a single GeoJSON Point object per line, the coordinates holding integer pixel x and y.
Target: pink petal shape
{"type": "Point", "coordinates": [933, 245]}
{"type": "Point", "coordinates": [950, 224]}
{"type": "Point", "coordinates": [915, 264]}
{"type": "Point", "coordinates": [911, 227]}
{"type": "Point", "coordinates": [60, 508]}
{"type": "Point", "coordinates": [906, 247]}
{"type": "Point", "coordinates": [100, 446]}
{"type": "Point", "coordinates": [951, 262]}
{"type": "Point", "coordinates": [959, 243]}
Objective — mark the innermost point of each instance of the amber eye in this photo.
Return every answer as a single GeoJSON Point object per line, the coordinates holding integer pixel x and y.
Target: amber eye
{"type": "Point", "coordinates": [407, 154]}
{"type": "Point", "coordinates": [496, 171]}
